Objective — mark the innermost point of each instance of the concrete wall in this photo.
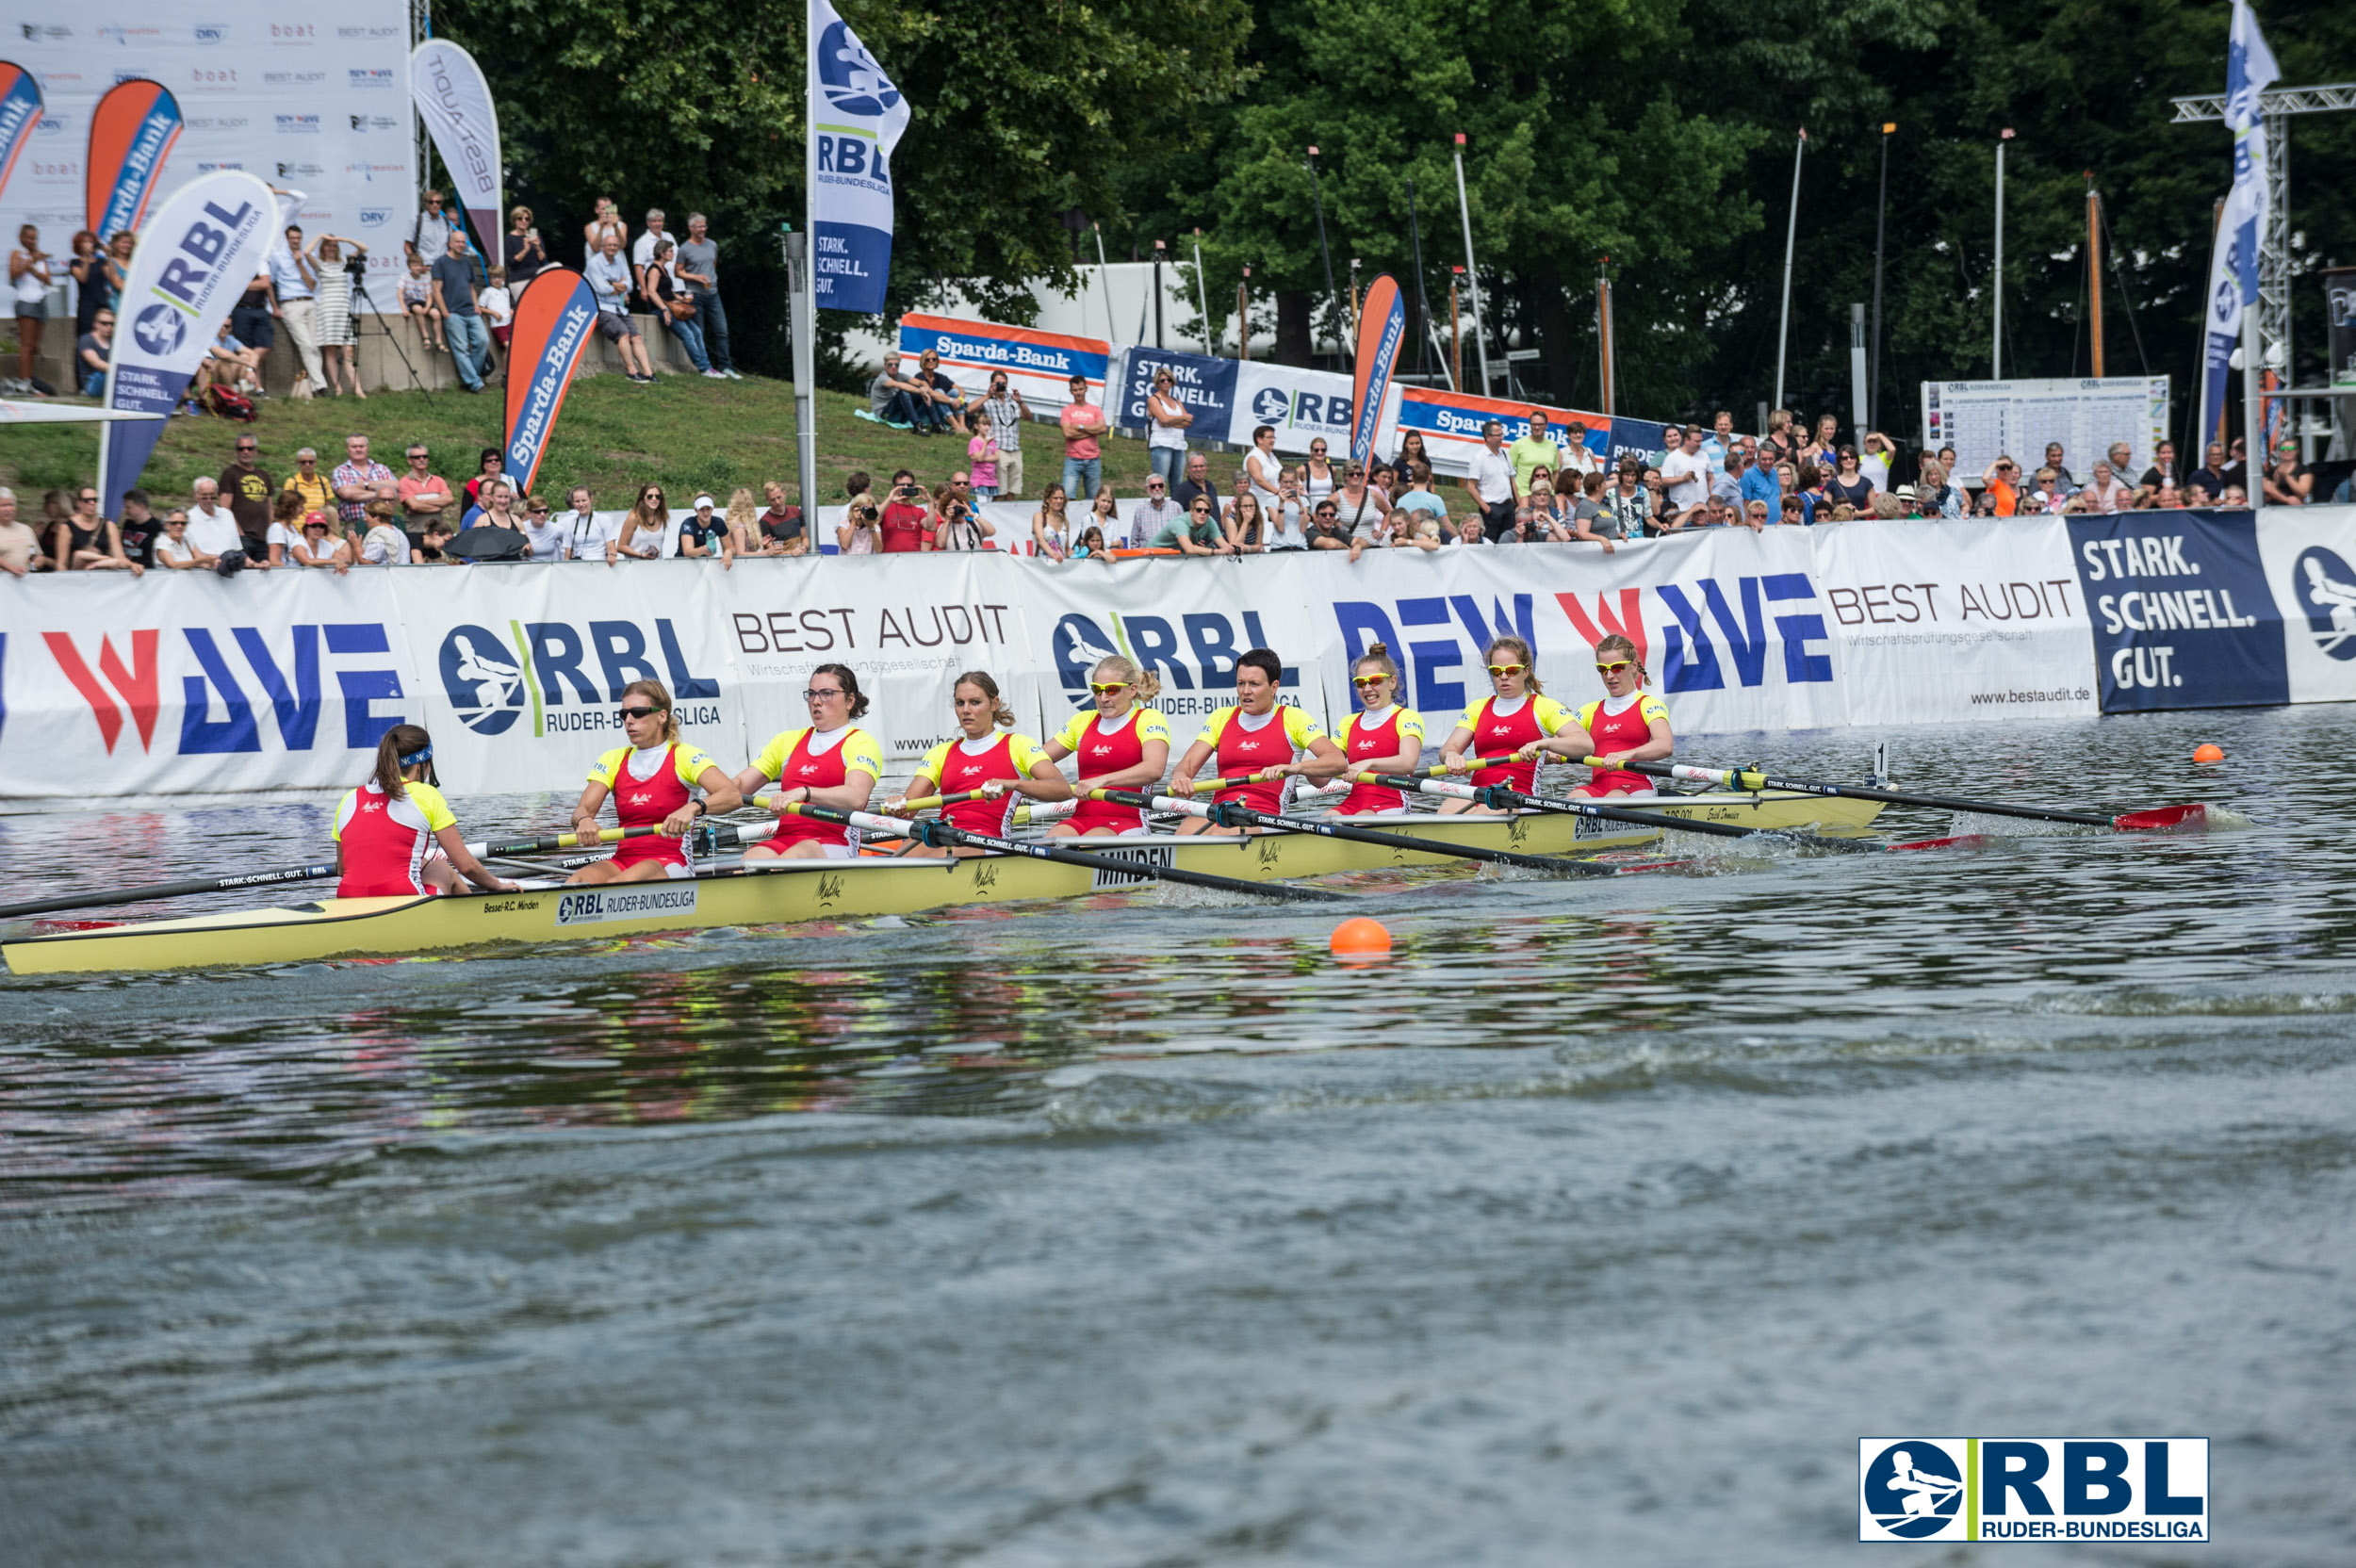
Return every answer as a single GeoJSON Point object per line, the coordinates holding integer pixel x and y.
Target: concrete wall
{"type": "Point", "coordinates": [382, 343]}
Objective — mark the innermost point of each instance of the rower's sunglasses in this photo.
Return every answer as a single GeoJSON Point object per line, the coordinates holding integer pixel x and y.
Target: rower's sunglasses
{"type": "Point", "coordinates": [1368, 680]}
{"type": "Point", "coordinates": [1507, 669]}
{"type": "Point", "coordinates": [638, 713]}
{"type": "Point", "coordinates": [1103, 687]}
{"type": "Point", "coordinates": [1617, 666]}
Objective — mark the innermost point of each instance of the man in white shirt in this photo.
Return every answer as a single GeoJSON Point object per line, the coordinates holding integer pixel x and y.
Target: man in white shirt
{"type": "Point", "coordinates": [1492, 478]}
{"type": "Point", "coordinates": [214, 531]}
{"type": "Point", "coordinates": [295, 281]}
{"type": "Point", "coordinates": [1685, 472]}
{"type": "Point", "coordinates": [612, 282]}
{"type": "Point", "coordinates": [641, 248]}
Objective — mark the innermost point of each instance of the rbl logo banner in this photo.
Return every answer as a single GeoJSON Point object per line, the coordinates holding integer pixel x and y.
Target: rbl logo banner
{"type": "Point", "coordinates": [2082, 1488]}
{"type": "Point", "coordinates": [2183, 616]}
{"type": "Point", "coordinates": [553, 320]}
{"type": "Point", "coordinates": [1038, 365]}
{"type": "Point", "coordinates": [852, 137]}
{"type": "Point", "coordinates": [20, 112]}
{"type": "Point", "coordinates": [131, 132]}
{"type": "Point", "coordinates": [204, 245]}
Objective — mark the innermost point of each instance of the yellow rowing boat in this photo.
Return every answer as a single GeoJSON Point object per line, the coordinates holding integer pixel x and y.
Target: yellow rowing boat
{"type": "Point", "coordinates": [784, 890]}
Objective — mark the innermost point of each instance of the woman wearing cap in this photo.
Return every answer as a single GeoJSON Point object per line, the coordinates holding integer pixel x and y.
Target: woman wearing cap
{"type": "Point", "coordinates": [702, 534]}
{"type": "Point", "coordinates": [653, 781]}
{"type": "Point", "coordinates": [1381, 737]}
{"type": "Point", "coordinates": [1627, 724]}
{"type": "Point", "coordinates": [386, 828]}
{"type": "Point", "coordinates": [1515, 716]}
{"type": "Point", "coordinates": [830, 762]}
{"type": "Point", "coordinates": [317, 545]}
{"type": "Point", "coordinates": [1258, 734]}
{"type": "Point", "coordinates": [1121, 744]}
{"type": "Point", "coordinates": [998, 769]}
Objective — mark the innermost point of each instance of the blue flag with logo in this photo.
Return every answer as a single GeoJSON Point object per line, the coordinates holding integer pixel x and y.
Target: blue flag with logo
{"type": "Point", "coordinates": [857, 118]}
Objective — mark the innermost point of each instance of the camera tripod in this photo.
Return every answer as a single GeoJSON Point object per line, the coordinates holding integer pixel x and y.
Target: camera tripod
{"type": "Point", "coordinates": [360, 295]}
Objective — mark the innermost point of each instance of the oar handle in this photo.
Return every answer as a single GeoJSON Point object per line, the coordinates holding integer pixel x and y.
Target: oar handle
{"type": "Point", "coordinates": [1443, 771]}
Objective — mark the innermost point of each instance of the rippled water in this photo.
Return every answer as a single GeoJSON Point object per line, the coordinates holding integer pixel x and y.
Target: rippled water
{"type": "Point", "coordinates": [1594, 1226]}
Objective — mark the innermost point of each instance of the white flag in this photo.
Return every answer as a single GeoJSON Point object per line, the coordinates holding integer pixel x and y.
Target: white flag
{"type": "Point", "coordinates": [455, 101]}
{"type": "Point", "coordinates": [2250, 70]}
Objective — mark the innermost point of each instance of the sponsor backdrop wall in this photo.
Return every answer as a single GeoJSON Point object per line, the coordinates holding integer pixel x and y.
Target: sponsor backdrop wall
{"type": "Point", "coordinates": [311, 98]}
{"type": "Point", "coordinates": [187, 683]}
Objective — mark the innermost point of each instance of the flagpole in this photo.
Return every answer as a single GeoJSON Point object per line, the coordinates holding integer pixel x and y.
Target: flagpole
{"type": "Point", "coordinates": [1791, 237]}
{"type": "Point", "coordinates": [1472, 276]}
{"type": "Point", "coordinates": [804, 301]}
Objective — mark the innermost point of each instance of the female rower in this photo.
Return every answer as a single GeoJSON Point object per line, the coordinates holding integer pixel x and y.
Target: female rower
{"type": "Point", "coordinates": [832, 762]}
{"type": "Point", "coordinates": [385, 828]}
{"type": "Point", "coordinates": [1627, 724]}
{"type": "Point", "coordinates": [1257, 735]}
{"type": "Point", "coordinates": [998, 768]}
{"type": "Point", "coordinates": [1381, 737]}
{"type": "Point", "coordinates": [653, 781]}
{"type": "Point", "coordinates": [1121, 744]}
{"type": "Point", "coordinates": [1516, 714]}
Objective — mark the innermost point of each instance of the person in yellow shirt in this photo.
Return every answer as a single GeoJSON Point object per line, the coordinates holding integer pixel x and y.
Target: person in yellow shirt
{"type": "Point", "coordinates": [1516, 714]}
{"type": "Point", "coordinates": [653, 782]}
{"type": "Point", "coordinates": [1000, 769]}
{"type": "Point", "coordinates": [1258, 734]}
{"type": "Point", "coordinates": [831, 762]}
{"type": "Point", "coordinates": [318, 494]}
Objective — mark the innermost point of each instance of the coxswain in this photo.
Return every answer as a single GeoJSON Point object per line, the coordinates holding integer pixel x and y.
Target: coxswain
{"type": "Point", "coordinates": [1627, 724]}
{"type": "Point", "coordinates": [653, 781]}
{"type": "Point", "coordinates": [1121, 744]}
{"type": "Point", "coordinates": [1257, 735]}
{"type": "Point", "coordinates": [1000, 769]}
{"type": "Point", "coordinates": [1517, 716]}
{"type": "Point", "coordinates": [387, 827]}
{"type": "Point", "coordinates": [832, 762]}
{"type": "Point", "coordinates": [1381, 737]}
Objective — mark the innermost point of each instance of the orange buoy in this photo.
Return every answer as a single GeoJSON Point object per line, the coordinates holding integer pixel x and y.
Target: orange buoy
{"type": "Point", "coordinates": [1360, 937]}
{"type": "Point", "coordinates": [2207, 752]}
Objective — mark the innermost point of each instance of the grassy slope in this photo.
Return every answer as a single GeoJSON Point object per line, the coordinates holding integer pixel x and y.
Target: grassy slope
{"type": "Point", "coordinates": [687, 432]}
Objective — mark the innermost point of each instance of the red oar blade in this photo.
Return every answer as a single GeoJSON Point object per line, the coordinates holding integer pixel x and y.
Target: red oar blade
{"type": "Point", "coordinates": [1960, 841]}
{"type": "Point", "coordinates": [2195, 815]}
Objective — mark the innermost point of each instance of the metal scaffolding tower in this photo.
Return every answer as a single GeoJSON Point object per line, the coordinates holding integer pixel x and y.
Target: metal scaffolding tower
{"type": "Point", "coordinates": [2274, 234]}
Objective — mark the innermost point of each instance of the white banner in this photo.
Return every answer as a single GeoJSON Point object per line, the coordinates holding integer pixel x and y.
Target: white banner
{"type": "Point", "coordinates": [199, 250]}
{"type": "Point", "coordinates": [312, 99]}
{"type": "Point", "coordinates": [1955, 621]}
{"type": "Point", "coordinates": [190, 683]}
{"type": "Point", "coordinates": [450, 92]}
{"type": "Point", "coordinates": [1987, 420]}
{"type": "Point", "coordinates": [523, 665]}
{"type": "Point", "coordinates": [187, 683]}
{"type": "Point", "coordinates": [906, 625]}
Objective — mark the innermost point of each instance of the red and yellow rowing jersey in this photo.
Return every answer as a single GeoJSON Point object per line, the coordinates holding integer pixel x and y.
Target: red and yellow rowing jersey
{"type": "Point", "coordinates": [1500, 726]}
{"type": "Point", "coordinates": [1386, 736]}
{"type": "Point", "coordinates": [1101, 751]}
{"type": "Point", "coordinates": [386, 840]}
{"type": "Point", "coordinates": [1617, 729]}
{"type": "Point", "coordinates": [822, 762]}
{"type": "Point", "coordinates": [1243, 744]}
{"type": "Point", "coordinates": [648, 786]}
{"type": "Point", "coordinates": [955, 767]}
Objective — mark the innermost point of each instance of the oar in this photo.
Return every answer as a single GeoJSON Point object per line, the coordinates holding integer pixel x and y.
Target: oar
{"type": "Point", "coordinates": [540, 844]}
{"type": "Point", "coordinates": [1498, 796]}
{"type": "Point", "coordinates": [1230, 815]}
{"type": "Point", "coordinates": [930, 831]}
{"type": "Point", "coordinates": [1751, 778]}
